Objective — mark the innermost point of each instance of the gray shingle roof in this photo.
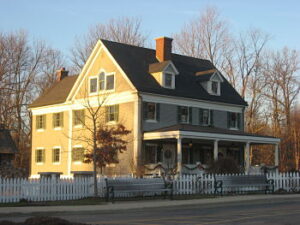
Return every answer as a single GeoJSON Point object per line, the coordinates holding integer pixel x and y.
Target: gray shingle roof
{"type": "Point", "coordinates": [58, 93]}
{"type": "Point", "coordinates": [135, 62]}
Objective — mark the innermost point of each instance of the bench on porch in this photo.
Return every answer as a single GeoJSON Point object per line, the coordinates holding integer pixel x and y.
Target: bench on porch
{"type": "Point", "coordinates": [139, 187]}
{"type": "Point", "coordinates": [238, 183]}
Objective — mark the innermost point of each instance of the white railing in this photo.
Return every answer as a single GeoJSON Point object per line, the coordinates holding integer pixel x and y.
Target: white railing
{"type": "Point", "coordinates": [47, 189]}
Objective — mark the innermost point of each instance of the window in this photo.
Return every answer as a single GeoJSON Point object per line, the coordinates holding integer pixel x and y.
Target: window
{"type": "Point", "coordinates": [78, 154]}
{"type": "Point", "coordinates": [168, 80]}
{"type": "Point", "coordinates": [187, 155]}
{"type": "Point", "coordinates": [151, 111]}
{"type": "Point", "coordinates": [58, 119]}
{"type": "Point", "coordinates": [40, 155]}
{"type": "Point", "coordinates": [56, 155]}
{"type": "Point", "coordinates": [205, 117]}
{"type": "Point", "coordinates": [153, 153]}
{"type": "Point", "coordinates": [78, 117]}
{"type": "Point", "coordinates": [110, 82]}
{"type": "Point", "coordinates": [214, 87]}
{"type": "Point", "coordinates": [93, 85]}
{"type": "Point", "coordinates": [102, 81]}
{"type": "Point", "coordinates": [112, 113]}
{"type": "Point", "coordinates": [41, 122]}
{"type": "Point", "coordinates": [184, 114]}
{"type": "Point", "coordinates": [234, 120]}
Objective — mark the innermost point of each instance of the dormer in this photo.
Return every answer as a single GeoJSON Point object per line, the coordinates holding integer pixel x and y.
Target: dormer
{"type": "Point", "coordinates": [211, 81]}
{"type": "Point", "coordinates": [164, 73]}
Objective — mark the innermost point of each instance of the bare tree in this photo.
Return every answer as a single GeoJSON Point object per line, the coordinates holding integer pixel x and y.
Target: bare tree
{"type": "Point", "coordinates": [206, 36]}
{"type": "Point", "coordinates": [126, 30]}
{"type": "Point", "coordinates": [21, 63]}
{"type": "Point", "coordinates": [282, 80]}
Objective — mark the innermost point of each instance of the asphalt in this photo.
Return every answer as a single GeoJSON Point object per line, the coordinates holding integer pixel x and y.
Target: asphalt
{"type": "Point", "coordinates": [124, 205]}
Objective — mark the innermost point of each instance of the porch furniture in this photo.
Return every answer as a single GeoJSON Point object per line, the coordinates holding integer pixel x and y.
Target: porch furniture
{"type": "Point", "coordinates": [238, 183]}
{"type": "Point", "coordinates": [129, 186]}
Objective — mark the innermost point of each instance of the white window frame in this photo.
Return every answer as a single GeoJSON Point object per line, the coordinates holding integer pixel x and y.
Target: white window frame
{"type": "Point", "coordinates": [155, 114]}
{"type": "Point", "coordinates": [60, 127]}
{"type": "Point", "coordinates": [56, 147]}
{"type": "Point", "coordinates": [209, 119]}
{"type": "Point", "coordinates": [110, 74]}
{"type": "Point", "coordinates": [188, 115]}
{"type": "Point", "coordinates": [236, 122]}
{"type": "Point", "coordinates": [172, 82]}
{"type": "Point", "coordinates": [97, 84]}
{"type": "Point", "coordinates": [39, 163]}
{"type": "Point", "coordinates": [113, 122]}
{"type": "Point", "coordinates": [41, 129]}
{"type": "Point", "coordinates": [77, 162]}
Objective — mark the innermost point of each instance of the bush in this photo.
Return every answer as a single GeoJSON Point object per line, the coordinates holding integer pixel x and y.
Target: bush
{"type": "Point", "coordinates": [41, 220]}
{"type": "Point", "coordinates": [224, 165]}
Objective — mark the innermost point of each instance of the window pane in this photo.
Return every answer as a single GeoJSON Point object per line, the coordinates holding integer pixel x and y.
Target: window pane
{"type": "Point", "coordinates": [101, 81]}
{"type": "Point", "coordinates": [40, 121]}
{"type": "Point", "coordinates": [78, 117]}
{"type": "Point", "coordinates": [205, 117]}
{"type": "Point", "coordinates": [39, 155]}
{"type": "Point", "coordinates": [184, 114]}
{"type": "Point", "coordinates": [214, 87]}
{"type": "Point", "coordinates": [168, 79]}
{"type": "Point", "coordinates": [57, 119]}
{"type": "Point", "coordinates": [78, 155]}
{"type": "Point", "coordinates": [93, 85]}
{"type": "Point", "coordinates": [56, 155]}
{"type": "Point", "coordinates": [112, 113]}
{"type": "Point", "coordinates": [233, 120]}
{"type": "Point", "coordinates": [151, 111]}
{"type": "Point", "coordinates": [110, 82]}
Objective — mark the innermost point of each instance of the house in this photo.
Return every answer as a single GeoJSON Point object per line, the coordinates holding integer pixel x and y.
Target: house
{"type": "Point", "coordinates": [182, 113]}
{"type": "Point", "coordinates": [8, 148]}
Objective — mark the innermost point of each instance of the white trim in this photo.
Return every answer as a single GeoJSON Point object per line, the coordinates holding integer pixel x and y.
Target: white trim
{"type": "Point", "coordinates": [40, 163]}
{"type": "Point", "coordinates": [180, 101]}
{"type": "Point", "coordinates": [210, 136]}
{"type": "Point", "coordinates": [57, 128]}
{"type": "Point", "coordinates": [70, 131]}
{"type": "Point", "coordinates": [84, 70]}
{"type": "Point", "coordinates": [163, 74]}
{"type": "Point", "coordinates": [40, 130]}
{"type": "Point", "coordinates": [83, 75]}
{"type": "Point", "coordinates": [118, 66]}
{"type": "Point", "coordinates": [89, 85]}
{"type": "Point", "coordinates": [212, 78]}
{"type": "Point", "coordinates": [111, 99]}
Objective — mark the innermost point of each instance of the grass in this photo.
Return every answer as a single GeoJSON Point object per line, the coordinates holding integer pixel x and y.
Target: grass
{"type": "Point", "coordinates": [84, 201]}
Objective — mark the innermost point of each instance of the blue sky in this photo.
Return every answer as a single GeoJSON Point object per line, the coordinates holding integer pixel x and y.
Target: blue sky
{"type": "Point", "coordinates": [59, 21]}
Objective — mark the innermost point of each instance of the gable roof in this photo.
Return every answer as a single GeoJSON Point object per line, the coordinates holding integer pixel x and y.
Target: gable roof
{"type": "Point", "coordinates": [7, 145]}
{"type": "Point", "coordinates": [135, 62]}
{"type": "Point", "coordinates": [57, 93]}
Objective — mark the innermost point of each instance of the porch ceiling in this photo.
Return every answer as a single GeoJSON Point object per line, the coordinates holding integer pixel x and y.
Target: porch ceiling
{"type": "Point", "coordinates": [208, 133]}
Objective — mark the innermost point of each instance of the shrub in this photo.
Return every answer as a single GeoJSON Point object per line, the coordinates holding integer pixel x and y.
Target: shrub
{"type": "Point", "coordinates": [224, 165]}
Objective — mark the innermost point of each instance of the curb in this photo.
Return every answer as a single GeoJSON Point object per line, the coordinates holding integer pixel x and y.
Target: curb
{"type": "Point", "coordinates": [142, 204]}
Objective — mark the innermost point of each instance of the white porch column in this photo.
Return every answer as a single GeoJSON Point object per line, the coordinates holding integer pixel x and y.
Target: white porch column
{"type": "Point", "coordinates": [179, 155]}
{"type": "Point", "coordinates": [247, 157]}
{"type": "Point", "coordinates": [216, 149]}
{"type": "Point", "coordinates": [276, 154]}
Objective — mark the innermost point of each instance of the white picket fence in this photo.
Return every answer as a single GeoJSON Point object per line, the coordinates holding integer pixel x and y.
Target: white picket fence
{"type": "Point", "coordinates": [47, 189]}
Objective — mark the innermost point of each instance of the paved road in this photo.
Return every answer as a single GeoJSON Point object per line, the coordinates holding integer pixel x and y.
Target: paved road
{"type": "Point", "coordinates": [270, 212]}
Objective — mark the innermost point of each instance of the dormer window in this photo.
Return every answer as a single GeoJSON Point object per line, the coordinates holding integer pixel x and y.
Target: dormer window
{"type": "Point", "coordinates": [211, 81]}
{"type": "Point", "coordinates": [164, 73]}
{"type": "Point", "coordinates": [215, 87]}
{"type": "Point", "coordinates": [169, 80]}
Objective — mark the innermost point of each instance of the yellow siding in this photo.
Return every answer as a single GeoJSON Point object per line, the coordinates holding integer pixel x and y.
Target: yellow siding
{"type": "Point", "coordinates": [50, 137]}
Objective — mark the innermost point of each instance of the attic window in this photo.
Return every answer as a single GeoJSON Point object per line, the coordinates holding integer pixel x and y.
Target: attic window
{"type": "Point", "coordinates": [169, 80]}
{"type": "Point", "coordinates": [215, 87]}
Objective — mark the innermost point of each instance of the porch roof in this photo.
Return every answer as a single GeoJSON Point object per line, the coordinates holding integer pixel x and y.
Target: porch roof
{"type": "Point", "coordinates": [208, 133]}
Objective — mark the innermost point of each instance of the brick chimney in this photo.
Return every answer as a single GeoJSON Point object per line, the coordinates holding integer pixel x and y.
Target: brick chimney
{"type": "Point", "coordinates": [61, 74]}
{"type": "Point", "coordinates": [163, 48]}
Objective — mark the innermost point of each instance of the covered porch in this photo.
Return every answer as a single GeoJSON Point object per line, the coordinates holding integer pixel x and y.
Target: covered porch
{"type": "Point", "coordinates": [190, 149]}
